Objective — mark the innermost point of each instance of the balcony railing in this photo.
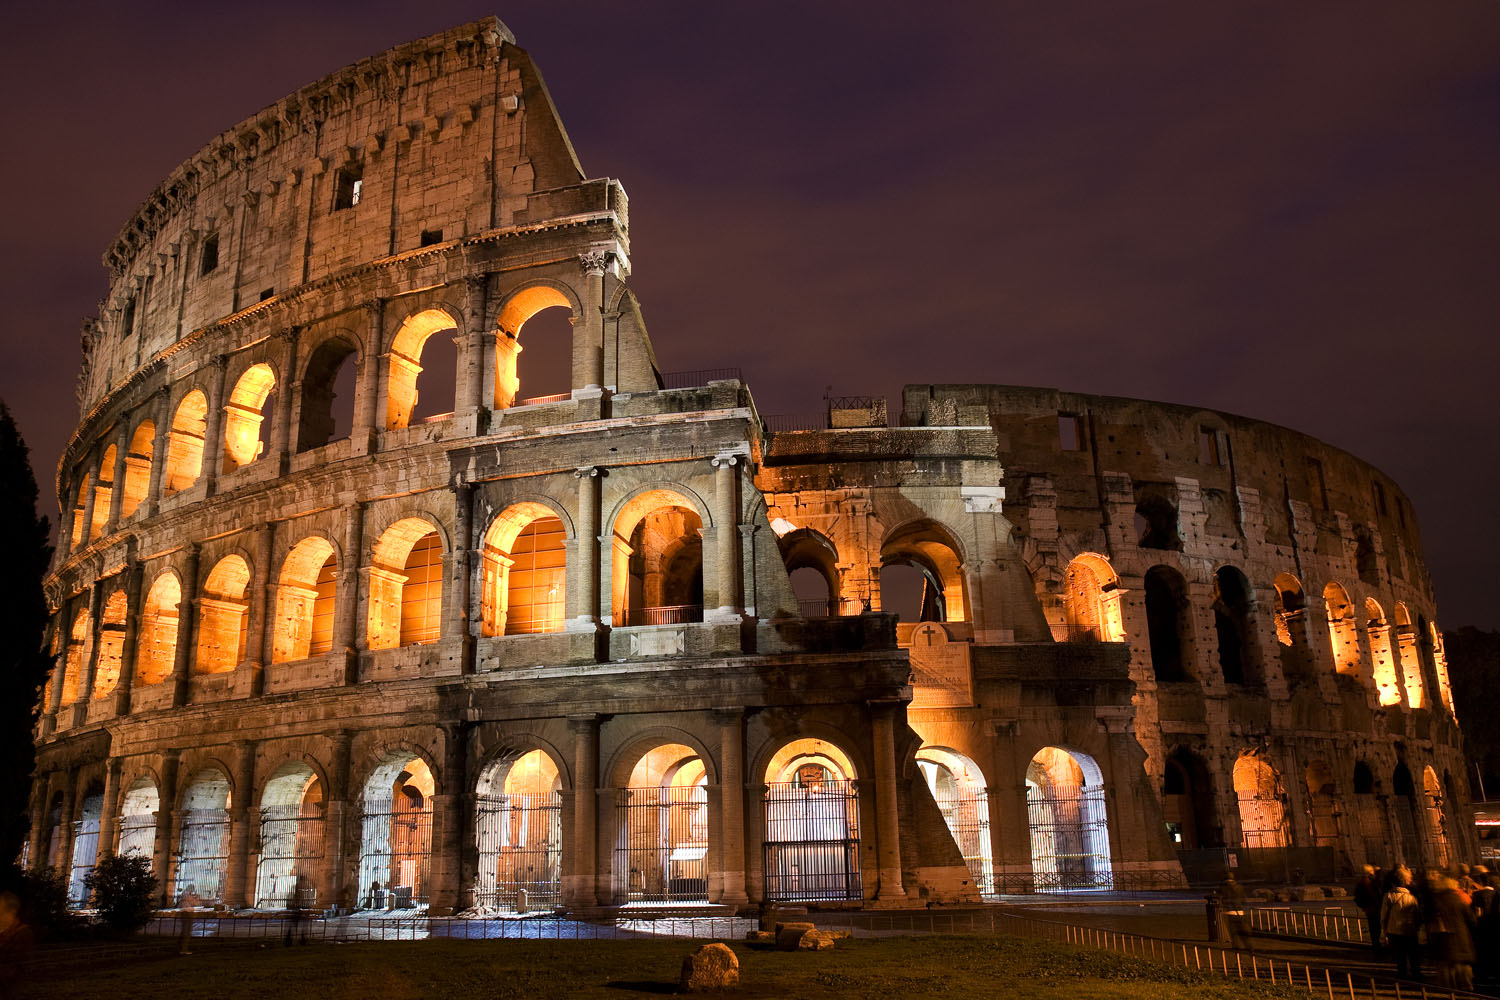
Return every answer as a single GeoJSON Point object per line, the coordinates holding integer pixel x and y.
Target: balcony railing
{"type": "Point", "coordinates": [556, 397]}
{"type": "Point", "coordinates": [703, 376]}
{"type": "Point", "coordinates": [826, 608]}
{"type": "Point", "coordinates": [677, 614]}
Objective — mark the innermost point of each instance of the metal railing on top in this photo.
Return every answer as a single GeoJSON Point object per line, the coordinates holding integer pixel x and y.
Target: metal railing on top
{"type": "Point", "coordinates": [679, 614]}
{"type": "Point", "coordinates": [556, 397]}
{"type": "Point", "coordinates": [702, 376]}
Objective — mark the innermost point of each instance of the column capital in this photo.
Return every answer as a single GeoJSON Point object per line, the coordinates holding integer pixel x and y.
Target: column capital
{"type": "Point", "coordinates": [727, 459]}
{"type": "Point", "coordinates": [589, 472]}
{"type": "Point", "coordinates": [595, 262]}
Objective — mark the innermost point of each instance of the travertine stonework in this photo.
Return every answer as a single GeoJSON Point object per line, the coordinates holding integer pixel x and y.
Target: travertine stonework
{"type": "Point", "coordinates": [549, 652]}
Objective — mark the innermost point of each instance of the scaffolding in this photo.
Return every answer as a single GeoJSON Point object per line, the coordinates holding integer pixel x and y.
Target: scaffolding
{"type": "Point", "coordinates": [812, 841]}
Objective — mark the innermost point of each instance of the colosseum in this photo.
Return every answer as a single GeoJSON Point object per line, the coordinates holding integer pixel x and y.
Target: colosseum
{"type": "Point", "coordinates": [346, 612]}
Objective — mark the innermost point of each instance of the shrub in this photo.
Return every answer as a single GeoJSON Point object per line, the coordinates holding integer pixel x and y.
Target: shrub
{"type": "Point", "coordinates": [124, 891]}
{"type": "Point", "coordinates": [44, 901]}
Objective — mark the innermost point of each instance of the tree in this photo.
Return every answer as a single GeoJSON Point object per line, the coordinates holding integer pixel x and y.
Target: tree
{"type": "Point", "coordinates": [1473, 665]}
{"type": "Point", "coordinates": [25, 553]}
{"type": "Point", "coordinates": [124, 891]}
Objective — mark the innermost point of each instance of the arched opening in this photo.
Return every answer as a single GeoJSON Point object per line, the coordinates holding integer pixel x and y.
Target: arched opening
{"type": "Point", "coordinates": [812, 824]}
{"type": "Point", "coordinates": [86, 825]}
{"type": "Point", "coordinates": [78, 656]}
{"type": "Point", "coordinates": [137, 468]}
{"type": "Point", "coordinates": [1067, 821]}
{"type": "Point", "coordinates": [1234, 626]}
{"type": "Point", "coordinates": [657, 571]}
{"type": "Point", "coordinates": [1169, 623]}
{"type": "Point", "coordinates": [291, 838]}
{"type": "Point", "coordinates": [1322, 804]}
{"type": "Point", "coordinates": [921, 576]}
{"type": "Point", "coordinates": [525, 572]}
{"type": "Point", "coordinates": [1437, 820]}
{"type": "Point", "coordinates": [185, 443]}
{"type": "Point", "coordinates": [138, 808]}
{"type": "Point", "coordinates": [518, 831]}
{"type": "Point", "coordinates": [1410, 655]}
{"type": "Point", "coordinates": [1262, 802]}
{"type": "Point", "coordinates": [395, 850]}
{"type": "Point", "coordinates": [328, 385]}
{"type": "Point", "coordinates": [1439, 653]}
{"type": "Point", "coordinates": [1407, 822]}
{"type": "Point", "coordinates": [812, 563]}
{"type": "Point", "coordinates": [305, 596]}
{"type": "Point", "coordinates": [406, 586]}
{"type": "Point", "coordinates": [1370, 813]}
{"type": "Point", "coordinates": [111, 646]}
{"type": "Point", "coordinates": [661, 833]}
{"type": "Point", "coordinates": [1343, 632]}
{"type": "Point", "coordinates": [1452, 818]}
{"type": "Point", "coordinates": [1188, 802]}
{"type": "Point", "coordinates": [223, 617]}
{"type": "Point", "coordinates": [53, 847]}
{"type": "Point", "coordinates": [156, 648]}
{"type": "Point", "coordinates": [959, 788]}
{"type": "Point", "coordinates": [1365, 561]}
{"type": "Point", "coordinates": [245, 427]}
{"type": "Point", "coordinates": [203, 840]}
{"type": "Point", "coordinates": [421, 374]}
{"type": "Point", "coordinates": [1091, 600]}
{"type": "Point", "coordinates": [1291, 628]}
{"type": "Point", "coordinates": [1381, 661]}
{"type": "Point", "coordinates": [103, 493]}
{"type": "Point", "coordinates": [80, 511]}
{"type": "Point", "coordinates": [545, 315]}
{"type": "Point", "coordinates": [1156, 524]}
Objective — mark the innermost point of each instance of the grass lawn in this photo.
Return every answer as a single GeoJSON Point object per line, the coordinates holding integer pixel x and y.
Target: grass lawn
{"type": "Point", "coordinates": [901, 968]}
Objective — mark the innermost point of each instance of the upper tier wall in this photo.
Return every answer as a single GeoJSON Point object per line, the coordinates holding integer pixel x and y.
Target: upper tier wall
{"type": "Point", "coordinates": [448, 136]}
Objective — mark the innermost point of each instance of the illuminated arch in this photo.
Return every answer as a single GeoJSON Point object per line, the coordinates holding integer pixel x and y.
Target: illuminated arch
{"type": "Point", "coordinates": [1343, 631]}
{"type": "Point", "coordinates": [406, 585]}
{"type": "Point", "coordinates": [1091, 600]}
{"type": "Point", "coordinates": [934, 553]}
{"type": "Point", "coordinates": [405, 362]}
{"type": "Point", "coordinates": [244, 416]}
{"type": "Point", "coordinates": [517, 309]}
{"type": "Point", "coordinates": [1437, 820]}
{"type": "Point", "coordinates": [137, 468]}
{"type": "Point", "coordinates": [657, 564]}
{"type": "Point", "coordinates": [103, 493]}
{"type": "Point", "coordinates": [395, 855]}
{"type": "Point", "coordinates": [1409, 652]}
{"type": "Point", "coordinates": [291, 836]}
{"type": "Point", "coordinates": [203, 835]}
{"type": "Point", "coordinates": [223, 616]}
{"type": "Point", "coordinates": [1068, 821]}
{"type": "Point", "coordinates": [1382, 662]}
{"type": "Point", "coordinates": [961, 793]}
{"type": "Point", "coordinates": [77, 658]}
{"type": "Point", "coordinates": [812, 823]}
{"type": "Point", "coordinates": [518, 831]}
{"type": "Point", "coordinates": [1262, 802]}
{"type": "Point", "coordinates": [812, 564]}
{"type": "Point", "coordinates": [525, 568]}
{"type": "Point", "coordinates": [156, 648]}
{"type": "Point", "coordinates": [111, 646]}
{"type": "Point", "coordinates": [137, 828]}
{"type": "Point", "coordinates": [662, 827]}
{"type": "Point", "coordinates": [80, 511]}
{"type": "Point", "coordinates": [305, 596]}
{"type": "Point", "coordinates": [185, 443]}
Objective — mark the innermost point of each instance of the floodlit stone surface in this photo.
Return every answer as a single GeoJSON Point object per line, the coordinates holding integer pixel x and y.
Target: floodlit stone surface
{"type": "Point", "coordinates": [712, 967]}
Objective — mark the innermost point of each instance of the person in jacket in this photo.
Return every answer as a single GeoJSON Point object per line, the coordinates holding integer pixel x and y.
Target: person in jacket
{"type": "Point", "coordinates": [1400, 917]}
{"type": "Point", "coordinates": [1450, 935]}
{"type": "Point", "coordinates": [1367, 896]}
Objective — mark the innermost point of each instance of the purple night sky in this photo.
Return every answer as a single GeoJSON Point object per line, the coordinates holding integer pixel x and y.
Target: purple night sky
{"type": "Point", "coordinates": [1286, 211]}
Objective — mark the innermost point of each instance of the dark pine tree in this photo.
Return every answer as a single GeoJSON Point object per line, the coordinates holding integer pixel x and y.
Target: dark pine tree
{"type": "Point", "coordinates": [24, 554]}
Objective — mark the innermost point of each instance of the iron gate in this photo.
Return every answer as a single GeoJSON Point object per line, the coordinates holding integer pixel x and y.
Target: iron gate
{"type": "Point", "coordinates": [395, 856]}
{"type": "Point", "coordinates": [812, 841]}
{"type": "Point", "coordinates": [1069, 839]}
{"type": "Point", "coordinates": [203, 847]}
{"type": "Point", "coordinates": [968, 817]}
{"type": "Point", "coordinates": [85, 852]}
{"type": "Point", "coordinates": [291, 847]}
{"type": "Point", "coordinates": [661, 845]}
{"type": "Point", "coordinates": [520, 850]}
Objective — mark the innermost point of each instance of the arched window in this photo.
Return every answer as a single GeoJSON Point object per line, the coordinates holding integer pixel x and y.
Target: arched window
{"type": "Point", "coordinates": [103, 493]}
{"type": "Point", "coordinates": [1322, 804]}
{"type": "Point", "coordinates": [959, 788]}
{"type": "Point", "coordinates": [185, 443]}
{"type": "Point", "coordinates": [1437, 820]}
{"type": "Point", "coordinates": [1169, 622]}
{"type": "Point", "coordinates": [1262, 800]}
{"type": "Point", "coordinates": [78, 656]}
{"type": "Point", "coordinates": [1156, 524]}
{"type": "Point", "coordinates": [157, 647]}
{"type": "Point", "coordinates": [406, 586]}
{"type": "Point", "coordinates": [305, 597]}
{"type": "Point", "coordinates": [812, 849]}
{"type": "Point", "coordinates": [1068, 822]}
{"type": "Point", "coordinates": [1381, 660]}
{"type": "Point", "coordinates": [291, 838]}
{"type": "Point", "coordinates": [1291, 629]}
{"type": "Point", "coordinates": [138, 808]}
{"type": "Point", "coordinates": [111, 646]}
{"type": "Point", "coordinates": [1439, 661]}
{"type": "Point", "coordinates": [80, 512]}
{"type": "Point", "coordinates": [525, 567]}
{"type": "Point", "coordinates": [86, 826]}
{"type": "Point", "coordinates": [518, 832]}
{"type": "Point", "coordinates": [658, 561]}
{"type": "Point", "coordinates": [812, 564]}
{"type": "Point", "coordinates": [1091, 600]}
{"type": "Point", "coordinates": [544, 315]}
{"type": "Point", "coordinates": [409, 396]}
{"type": "Point", "coordinates": [921, 577]}
{"type": "Point", "coordinates": [1234, 625]}
{"type": "Point", "coordinates": [328, 387]}
{"type": "Point", "coordinates": [1343, 631]}
{"type": "Point", "coordinates": [1188, 801]}
{"type": "Point", "coordinates": [395, 848]}
{"type": "Point", "coordinates": [1410, 655]}
{"type": "Point", "coordinates": [203, 837]}
{"type": "Point", "coordinates": [244, 417]}
{"type": "Point", "coordinates": [223, 614]}
{"type": "Point", "coordinates": [137, 468]}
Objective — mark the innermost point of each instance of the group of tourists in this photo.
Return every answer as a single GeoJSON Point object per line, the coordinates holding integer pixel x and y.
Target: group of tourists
{"type": "Point", "coordinates": [1452, 918]}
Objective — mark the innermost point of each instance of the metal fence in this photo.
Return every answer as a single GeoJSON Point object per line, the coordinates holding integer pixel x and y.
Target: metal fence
{"type": "Point", "coordinates": [291, 847]}
{"type": "Point", "coordinates": [968, 817]}
{"type": "Point", "coordinates": [520, 851]}
{"type": "Point", "coordinates": [138, 834]}
{"type": "Point", "coordinates": [202, 854]}
{"type": "Point", "coordinates": [812, 841]}
{"type": "Point", "coordinates": [677, 614]}
{"type": "Point", "coordinates": [661, 846]}
{"type": "Point", "coordinates": [395, 856]}
{"type": "Point", "coordinates": [1069, 839]}
{"type": "Point", "coordinates": [702, 376]}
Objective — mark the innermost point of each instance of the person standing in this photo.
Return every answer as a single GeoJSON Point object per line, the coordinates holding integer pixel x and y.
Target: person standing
{"type": "Point", "coordinates": [1367, 897]}
{"type": "Point", "coordinates": [189, 902]}
{"type": "Point", "coordinates": [1233, 895]}
{"type": "Point", "coordinates": [1451, 935]}
{"type": "Point", "coordinates": [1400, 916]}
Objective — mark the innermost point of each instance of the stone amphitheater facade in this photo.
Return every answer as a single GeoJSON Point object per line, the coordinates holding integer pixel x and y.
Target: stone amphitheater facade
{"type": "Point", "coordinates": [631, 645]}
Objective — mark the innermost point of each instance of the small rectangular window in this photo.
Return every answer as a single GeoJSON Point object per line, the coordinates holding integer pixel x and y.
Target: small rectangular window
{"type": "Point", "coordinates": [208, 261]}
{"type": "Point", "coordinates": [266, 293]}
{"type": "Point", "coordinates": [1070, 432]}
{"type": "Point", "coordinates": [1316, 481]}
{"type": "Point", "coordinates": [1379, 498]}
{"type": "Point", "coordinates": [1209, 452]}
{"type": "Point", "coordinates": [348, 185]}
{"type": "Point", "coordinates": [127, 320]}
{"type": "Point", "coordinates": [431, 236]}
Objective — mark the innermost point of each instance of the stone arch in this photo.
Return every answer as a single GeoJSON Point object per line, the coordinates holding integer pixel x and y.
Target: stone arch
{"type": "Point", "coordinates": [812, 822]}
{"type": "Point", "coordinates": [139, 805]}
{"type": "Point", "coordinates": [1234, 624]}
{"type": "Point", "coordinates": [223, 616]}
{"type": "Point", "coordinates": [104, 491]}
{"type": "Point", "coordinates": [935, 553]}
{"type": "Point", "coordinates": [406, 584]}
{"type": "Point", "coordinates": [961, 792]}
{"type": "Point", "coordinates": [137, 467]}
{"type": "Point", "coordinates": [185, 442]}
{"type": "Point", "coordinates": [1439, 652]}
{"type": "Point", "coordinates": [318, 420]}
{"type": "Point", "coordinates": [88, 819]}
{"type": "Point", "coordinates": [292, 808]}
{"type": "Point", "coordinates": [1323, 804]}
{"type": "Point", "coordinates": [156, 649]}
{"type": "Point", "coordinates": [1091, 600]}
{"type": "Point", "coordinates": [111, 645]}
{"type": "Point", "coordinates": [1382, 660]}
{"type": "Point", "coordinates": [656, 566]}
{"type": "Point", "coordinates": [203, 832]}
{"type": "Point", "coordinates": [244, 416]}
{"type": "Point", "coordinates": [1370, 816]}
{"type": "Point", "coordinates": [1169, 624]}
{"type": "Point", "coordinates": [80, 511]}
{"type": "Point", "coordinates": [1156, 523]}
{"type": "Point", "coordinates": [516, 309]}
{"type": "Point", "coordinates": [662, 821]}
{"type": "Point", "coordinates": [404, 362]}
{"type": "Point", "coordinates": [1188, 800]}
{"type": "Point", "coordinates": [306, 592]}
{"type": "Point", "coordinates": [1409, 654]}
{"type": "Point", "coordinates": [395, 853]}
{"type": "Point", "coordinates": [1343, 632]}
{"type": "Point", "coordinates": [1438, 852]}
{"type": "Point", "coordinates": [518, 830]}
{"type": "Point", "coordinates": [812, 564]}
{"type": "Point", "coordinates": [524, 567]}
{"type": "Point", "coordinates": [1262, 801]}
{"type": "Point", "coordinates": [80, 638]}
{"type": "Point", "coordinates": [1291, 627]}
{"type": "Point", "coordinates": [1068, 821]}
